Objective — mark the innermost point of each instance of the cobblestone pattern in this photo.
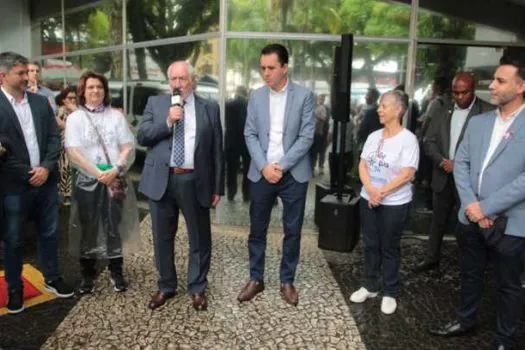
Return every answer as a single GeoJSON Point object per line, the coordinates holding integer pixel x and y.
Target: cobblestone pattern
{"type": "Point", "coordinates": [427, 299]}
{"type": "Point", "coordinates": [322, 319]}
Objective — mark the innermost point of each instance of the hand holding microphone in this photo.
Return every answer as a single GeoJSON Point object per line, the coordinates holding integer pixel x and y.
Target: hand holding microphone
{"type": "Point", "coordinates": [176, 111]}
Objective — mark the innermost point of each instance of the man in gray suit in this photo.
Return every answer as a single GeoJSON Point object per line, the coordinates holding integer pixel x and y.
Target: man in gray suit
{"type": "Point", "coordinates": [444, 135]}
{"type": "Point", "coordinates": [279, 132]}
{"type": "Point", "coordinates": [183, 171]}
{"type": "Point", "coordinates": [490, 179]}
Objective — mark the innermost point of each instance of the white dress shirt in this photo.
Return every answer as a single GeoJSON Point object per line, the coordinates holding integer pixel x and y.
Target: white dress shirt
{"type": "Point", "coordinates": [277, 108]}
{"type": "Point", "coordinates": [25, 118]}
{"type": "Point", "coordinates": [498, 133]}
{"type": "Point", "coordinates": [190, 131]}
{"type": "Point", "coordinates": [459, 116]}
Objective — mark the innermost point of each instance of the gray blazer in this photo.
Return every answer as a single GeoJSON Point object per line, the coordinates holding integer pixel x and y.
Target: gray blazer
{"type": "Point", "coordinates": [502, 189]}
{"type": "Point", "coordinates": [208, 157]}
{"type": "Point", "coordinates": [437, 139]}
{"type": "Point", "coordinates": [299, 127]}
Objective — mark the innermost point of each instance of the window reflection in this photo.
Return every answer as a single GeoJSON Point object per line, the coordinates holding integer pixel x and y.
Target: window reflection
{"type": "Point", "coordinates": [437, 20]}
{"type": "Point", "coordinates": [361, 17]}
{"type": "Point", "coordinates": [47, 36]}
{"type": "Point", "coordinates": [160, 19]}
{"type": "Point", "coordinates": [440, 61]}
{"type": "Point", "coordinates": [97, 26]}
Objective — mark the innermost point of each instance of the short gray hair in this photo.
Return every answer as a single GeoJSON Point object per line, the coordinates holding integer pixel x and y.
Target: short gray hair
{"type": "Point", "coordinates": [191, 71]}
{"type": "Point", "coordinates": [400, 98]}
{"type": "Point", "coordinates": [9, 59]}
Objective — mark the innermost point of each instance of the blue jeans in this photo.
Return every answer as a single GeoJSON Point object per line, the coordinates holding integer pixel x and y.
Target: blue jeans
{"type": "Point", "coordinates": [382, 228]}
{"type": "Point", "coordinates": [262, 198]}
{"type": "Point", "coordinates": [40, 204]}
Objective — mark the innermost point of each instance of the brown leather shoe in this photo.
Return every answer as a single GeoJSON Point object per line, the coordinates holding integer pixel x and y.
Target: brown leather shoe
{"type": "Point", "coordinates": [289, 293]}
{"type": "Point", "coordinates": [251, 289]}
{"type": "Point", "coordinates": [158, 299]}
{"type": "Point", "coordinates": [200, 303]}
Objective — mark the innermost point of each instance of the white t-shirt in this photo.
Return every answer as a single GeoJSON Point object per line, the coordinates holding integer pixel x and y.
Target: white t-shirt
{"type": "Point", "coordinates": [112, 127]}
{"type": "Point", "coordinates": [384, 160]}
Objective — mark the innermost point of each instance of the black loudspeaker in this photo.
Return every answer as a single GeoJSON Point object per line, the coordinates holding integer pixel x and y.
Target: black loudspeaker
{"type": "Point", "coordinates": [321, 190]}
{"type": "Point", "coordinates": [343, 76]}
{"type": "Point", "coordinates": [339, 223]}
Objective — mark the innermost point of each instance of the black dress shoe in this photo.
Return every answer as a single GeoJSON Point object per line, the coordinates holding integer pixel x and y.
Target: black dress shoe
{"type": "Point", "coordinates": [451, 329]}
{"type": "Point", "coordinates": [426, 266]}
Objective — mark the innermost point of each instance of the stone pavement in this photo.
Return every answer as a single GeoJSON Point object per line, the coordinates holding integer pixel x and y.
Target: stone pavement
{"type": "Point", "coordinates": [323, 319]}
{"type": "Point", "coordinates": [110, 320]}
{"type": "Point", "coordinates": [427, 299]}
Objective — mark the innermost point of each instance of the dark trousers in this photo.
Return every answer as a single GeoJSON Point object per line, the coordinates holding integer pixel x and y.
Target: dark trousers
{"type": "Point", "coordinates": [262, 198]}
{"type": "Point", "coordinates": [88, 269]}
{"type": "Point", "coordinates": [382, 228]}
{"type": "Point", "coordinates": [507, 267]}
{"type": "Point", "coordinates": [234, 156]}
{"type": "Point", "coordinates": [181, 195]}
{"type": "Point", "coordinates": [97, 211]}
{"type": "Point", "coordinates": [318, 149]}
{"type": "Point", "coordinates": [41, 204]}
{"type": "Point", "coordinates": [444, 206]}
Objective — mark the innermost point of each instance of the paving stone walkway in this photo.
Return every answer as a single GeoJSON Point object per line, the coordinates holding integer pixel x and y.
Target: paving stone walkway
{"type": "Point", "coordinates": [106, 319]}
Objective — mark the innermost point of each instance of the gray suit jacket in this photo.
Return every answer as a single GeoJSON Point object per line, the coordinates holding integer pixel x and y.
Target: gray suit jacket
{"type": "Point", "coordinates": [208, 157]}
{"type": "Point", "coordinates": [502, 191]}
{"type": "Point", "coordinates": [298, 135]}
{"type": "Point", "coordinates": [437, 140]}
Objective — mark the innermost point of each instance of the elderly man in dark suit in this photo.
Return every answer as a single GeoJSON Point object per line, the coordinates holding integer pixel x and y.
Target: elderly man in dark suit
{"type": "Point", "coordinates": [443, 137]}
{"type": "Point", "coordinates": [184, 171]}
{"type": "Point", "coordinates": [29, 177]}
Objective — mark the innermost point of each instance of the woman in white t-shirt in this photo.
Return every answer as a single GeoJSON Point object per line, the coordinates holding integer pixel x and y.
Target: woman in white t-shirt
{"type": "Point", "coordinates": [104, 216]}
{"type": "Point", "coordinates": [388, 162]}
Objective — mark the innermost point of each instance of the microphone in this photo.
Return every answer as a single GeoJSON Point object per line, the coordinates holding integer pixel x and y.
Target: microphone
{"type": "Point", "coordinates": [176, 99]}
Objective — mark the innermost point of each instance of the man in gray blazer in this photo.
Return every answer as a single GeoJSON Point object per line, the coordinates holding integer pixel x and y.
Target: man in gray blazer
{"type": "Point", "coordinates": [443, 137]}
{"type": "Point", "coordinates": [184, 171]}
{"type": "Point", "coordinates": [490, 179]}
{"type": "Point", "coordinates": [279, 132]}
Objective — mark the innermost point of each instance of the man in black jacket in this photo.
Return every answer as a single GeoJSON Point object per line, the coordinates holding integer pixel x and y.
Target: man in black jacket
{"type": "Point", "coordinates": [443, 137]}
{"type": "Point", "coordinates": [235, 145]}
{"type": "Point", "coordinates": [29, 177]}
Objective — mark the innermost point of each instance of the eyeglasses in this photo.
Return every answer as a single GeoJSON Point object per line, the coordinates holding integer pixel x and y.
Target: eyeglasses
{"type": "Point", "coordinates": [71, 98]}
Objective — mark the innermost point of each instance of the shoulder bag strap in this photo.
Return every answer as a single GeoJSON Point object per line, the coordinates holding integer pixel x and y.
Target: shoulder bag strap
{"type": "Point", "coordinates": [100, 140]}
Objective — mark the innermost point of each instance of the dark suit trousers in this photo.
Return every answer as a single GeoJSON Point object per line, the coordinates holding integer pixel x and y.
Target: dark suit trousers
{"type": "Point", "coordinates": [234, 154]}
{"type": "Point", "coordinates": [507, 267]}
{"type": "Point", "coordinates": [444, 205]}
{"type": "Point", "coordinates": [262, 198]}
{"type": "Point", "coordinates": [181, 194]}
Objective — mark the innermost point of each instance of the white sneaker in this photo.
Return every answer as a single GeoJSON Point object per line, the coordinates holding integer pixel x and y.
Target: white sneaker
{"type": "Point", "coordinates": [361, 295]}
{"type": "Point", "coordinates": [388, 305]}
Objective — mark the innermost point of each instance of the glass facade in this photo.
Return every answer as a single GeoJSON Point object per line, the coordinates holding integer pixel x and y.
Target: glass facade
{"type": "Point", "coordinates": [396, 42]}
